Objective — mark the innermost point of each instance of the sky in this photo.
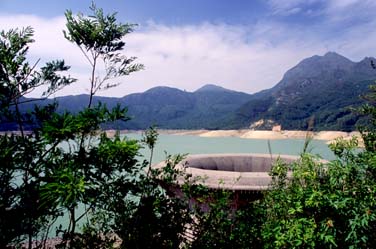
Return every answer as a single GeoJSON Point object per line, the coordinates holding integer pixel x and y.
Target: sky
{"type": "Point", "coordinates": [244, 45]}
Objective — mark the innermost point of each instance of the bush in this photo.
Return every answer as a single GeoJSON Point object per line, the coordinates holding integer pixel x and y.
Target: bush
{"type": "Point", "coordinates": [313, 204]}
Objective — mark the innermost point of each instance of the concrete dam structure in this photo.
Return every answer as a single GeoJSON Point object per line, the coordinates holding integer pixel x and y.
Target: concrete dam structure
{"type": "Point", "coordinates": [246, 175]}
{"type": "Point", "coordinates": [234, 172]}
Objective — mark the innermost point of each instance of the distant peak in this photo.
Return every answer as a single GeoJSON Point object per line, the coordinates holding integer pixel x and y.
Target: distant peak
{"type": "Point", "coordinates": [162, 88]}
{"type": "Point", "coordinates": [331, 53]}
{"type": "Point", "coordinates": [334, 56]}
{"type": "Point", "coordinates": [212, 88]}
{"type": "Point", "coordinates": [330, 59]}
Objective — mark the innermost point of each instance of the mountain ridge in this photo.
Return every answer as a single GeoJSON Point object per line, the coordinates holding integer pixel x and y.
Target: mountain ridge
{"type": "Point", "coordinates": [213, 88]}
{"type": "Point", "coordinates": [324, 87]}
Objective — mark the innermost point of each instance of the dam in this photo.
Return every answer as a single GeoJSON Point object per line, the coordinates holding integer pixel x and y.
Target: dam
{"type": "Point", "coordinates": [245, 175]}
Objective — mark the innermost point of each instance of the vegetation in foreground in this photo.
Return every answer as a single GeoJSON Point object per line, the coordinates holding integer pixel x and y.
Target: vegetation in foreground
{"type": "Point", "coordinates": [311, 204]}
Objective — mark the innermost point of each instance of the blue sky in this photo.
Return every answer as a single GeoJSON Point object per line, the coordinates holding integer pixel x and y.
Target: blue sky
{"type": "Point", "coordinates": [239, 44]}
{"type": "Point", "coordinates": [164, 11]}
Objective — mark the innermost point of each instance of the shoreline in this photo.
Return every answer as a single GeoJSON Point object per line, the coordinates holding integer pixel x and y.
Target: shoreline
{"type": "Point", "coordinates": [328, 136]}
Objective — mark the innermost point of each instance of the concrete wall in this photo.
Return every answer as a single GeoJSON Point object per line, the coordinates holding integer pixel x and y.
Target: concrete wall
{"type": "Point", "coordinates": [236, 162]}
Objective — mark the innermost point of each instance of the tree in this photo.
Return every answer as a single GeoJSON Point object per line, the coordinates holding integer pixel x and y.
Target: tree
{"type": "Point", "coordinates": [40, 177]}
{"type": "Point", "coordinates": [23, 155]}
{"type": "Point", "coordinates": [102, 173]}
{"type": "Point", "coordinates": [99, 37]}
{"type": "Point", "coordinates": [91, 172]}
{"type": "Point", "coordinates": [60, 161]}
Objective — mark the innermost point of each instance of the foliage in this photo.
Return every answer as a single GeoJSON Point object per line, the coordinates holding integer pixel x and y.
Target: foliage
{"type": "Point", "coordinates": [23, 155]}
{"type": "Point", "coordinates": [66, 162]}
{"type": "Point", "coordinates": [315, 204]}
{"type": "Point", "coordinates": [219, 224]}
{"type": "Point", "coordinates": [40, 178]}
{"type": "Point", "coordinates": [369, 131]}
{"type": "Point", "coordinates": [99, 37]}
{"type": "Point", "coordinates": [155, 219]}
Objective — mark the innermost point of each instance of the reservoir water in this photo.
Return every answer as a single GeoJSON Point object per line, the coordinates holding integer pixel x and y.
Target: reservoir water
{"type": "Point", "coordinates": [183, 144]}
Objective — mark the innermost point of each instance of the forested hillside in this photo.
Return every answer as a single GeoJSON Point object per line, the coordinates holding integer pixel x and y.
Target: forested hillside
{"type": "Point", "coordinates": [324, 89]}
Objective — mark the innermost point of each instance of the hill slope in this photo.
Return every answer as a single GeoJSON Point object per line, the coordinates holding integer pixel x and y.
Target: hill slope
{"type": "Point", "coordinates": [323, 87]}
{"type": "Point", "coordinates": [172, 108]}
{"type": "Point", "coordinates": [168, 108]}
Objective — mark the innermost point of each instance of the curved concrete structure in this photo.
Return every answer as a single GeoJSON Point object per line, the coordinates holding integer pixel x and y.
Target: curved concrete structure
{"type": "Point", "coordinates": [235, 172]}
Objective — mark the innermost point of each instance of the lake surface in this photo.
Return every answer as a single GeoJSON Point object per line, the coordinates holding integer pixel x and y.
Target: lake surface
{"type": "Point", "coordinates": [183, 144]}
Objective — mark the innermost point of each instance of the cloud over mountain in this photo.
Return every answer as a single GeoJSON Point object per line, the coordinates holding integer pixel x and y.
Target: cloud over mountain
{"type": "Point", "coordinates": [244, 56]}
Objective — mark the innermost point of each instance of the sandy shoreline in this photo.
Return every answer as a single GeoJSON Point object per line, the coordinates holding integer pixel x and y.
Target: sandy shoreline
{"type": "Point", "coordinates": [257, 134]}
{"type": "Point", "coordinates": [328, 136]}
{"type": "Point", "coordinates": [252, 134]}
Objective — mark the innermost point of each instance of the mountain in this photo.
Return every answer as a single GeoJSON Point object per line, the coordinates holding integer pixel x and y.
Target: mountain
{"type": "Point", "coordinates": [166, 107]}
{"type": "Point", "coordinates": [323, 88]}
{"type": "Point", "coordinates": [171, 108]}
{"type": "Point", "coordinates": [212, 88]}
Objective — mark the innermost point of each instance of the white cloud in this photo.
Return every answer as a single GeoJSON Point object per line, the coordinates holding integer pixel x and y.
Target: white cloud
{"type": "Point", "coordinates": [328, 10]}
{"type": "Point", "coordinates": [344, 3]}
{"type": "Point", "coordinates": [49, 44]}
{"type": "Point", "coordinates": [48, 36]}
{"type": "Point", "coordinates": [290, 7]}
{"type": "Point", "coordinates": [244, 58]}
{"type": "Point", "coordinates": [231, 56]}
{"type": "Point", "coordinates": [350, 11]}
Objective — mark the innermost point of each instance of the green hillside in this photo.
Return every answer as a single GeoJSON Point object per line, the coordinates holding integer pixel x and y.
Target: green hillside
{"type": "Point", "coordinates": [324, 89]}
